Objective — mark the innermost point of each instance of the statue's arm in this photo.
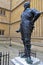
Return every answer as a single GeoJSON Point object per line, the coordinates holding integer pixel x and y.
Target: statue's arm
{"type": "Point", "coordinates": [36, 14]}
{"type": "Point", "coordinates": [19, 30]}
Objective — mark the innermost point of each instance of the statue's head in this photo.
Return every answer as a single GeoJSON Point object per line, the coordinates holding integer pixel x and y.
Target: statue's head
{"type": "Point", "coordinates": [27, 5]}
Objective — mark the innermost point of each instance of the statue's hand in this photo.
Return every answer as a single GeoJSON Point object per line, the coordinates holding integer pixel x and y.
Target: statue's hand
{"type": "Point", "coordinates": [17, 31]}
{"type": "Point", "coordinates": [41, 12]}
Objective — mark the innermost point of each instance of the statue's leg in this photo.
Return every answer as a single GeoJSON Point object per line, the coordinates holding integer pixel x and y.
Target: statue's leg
{"type": "Point", "coordinates": [24, 55]}
{"type": "Point", "coordinates": [28, 53]}
{"type": "Point", "coordinates": [28, 50]}
{"type": "Point", "coordinates": [27, 47]}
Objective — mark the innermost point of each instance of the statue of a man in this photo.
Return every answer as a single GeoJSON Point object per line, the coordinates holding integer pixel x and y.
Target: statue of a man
{"type": "Point", "coordinates": [28, 18]}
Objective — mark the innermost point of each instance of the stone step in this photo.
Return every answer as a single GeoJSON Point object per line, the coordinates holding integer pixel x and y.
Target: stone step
{"type": "Point", "coordinates": [22, 61]}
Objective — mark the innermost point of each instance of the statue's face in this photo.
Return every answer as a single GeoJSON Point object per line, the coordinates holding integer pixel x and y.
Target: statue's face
{"type": "Point", "coordinates": [27, 5]}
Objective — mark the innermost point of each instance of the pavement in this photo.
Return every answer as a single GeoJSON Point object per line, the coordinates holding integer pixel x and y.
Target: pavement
{"type": "Point", "coordinates": [16, 47]}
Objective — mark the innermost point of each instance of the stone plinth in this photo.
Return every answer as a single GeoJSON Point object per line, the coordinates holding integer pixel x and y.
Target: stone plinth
{"type": "Point", "coordinates": [22, 61]}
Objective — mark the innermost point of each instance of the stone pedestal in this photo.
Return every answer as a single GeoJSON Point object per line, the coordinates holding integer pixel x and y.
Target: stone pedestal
{"type": "Point", "coordinates": [21, 61]}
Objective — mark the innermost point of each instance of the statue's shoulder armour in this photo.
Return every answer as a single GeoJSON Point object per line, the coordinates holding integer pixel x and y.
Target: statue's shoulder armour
{"type": "Point", "coordinates": [35, 11]}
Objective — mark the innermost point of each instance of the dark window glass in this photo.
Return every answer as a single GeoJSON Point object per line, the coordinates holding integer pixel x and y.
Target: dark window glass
{"type": "Point", "coordinates": [2, 12]}
{"type": "Point", "coordinates": [1, 32]}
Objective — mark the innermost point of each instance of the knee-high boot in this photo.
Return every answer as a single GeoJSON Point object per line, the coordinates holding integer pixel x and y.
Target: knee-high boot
{"type": "Point", "coordinates": [28, 53]}
{"type": "Point", "coordinates": [27, 50]}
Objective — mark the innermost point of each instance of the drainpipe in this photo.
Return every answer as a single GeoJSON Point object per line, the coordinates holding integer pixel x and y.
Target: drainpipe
{"type": "Point", "coordinates": [10, 22]}
{"type": "Point", "coordinates": [0, 57]}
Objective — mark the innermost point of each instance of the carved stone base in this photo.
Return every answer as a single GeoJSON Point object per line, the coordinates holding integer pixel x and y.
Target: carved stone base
{"type": "Point", "coordinates": [22, 61]}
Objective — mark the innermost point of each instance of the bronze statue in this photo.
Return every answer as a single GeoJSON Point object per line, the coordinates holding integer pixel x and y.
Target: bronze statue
{"type": "Point", "coordinates": [28, 18]}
